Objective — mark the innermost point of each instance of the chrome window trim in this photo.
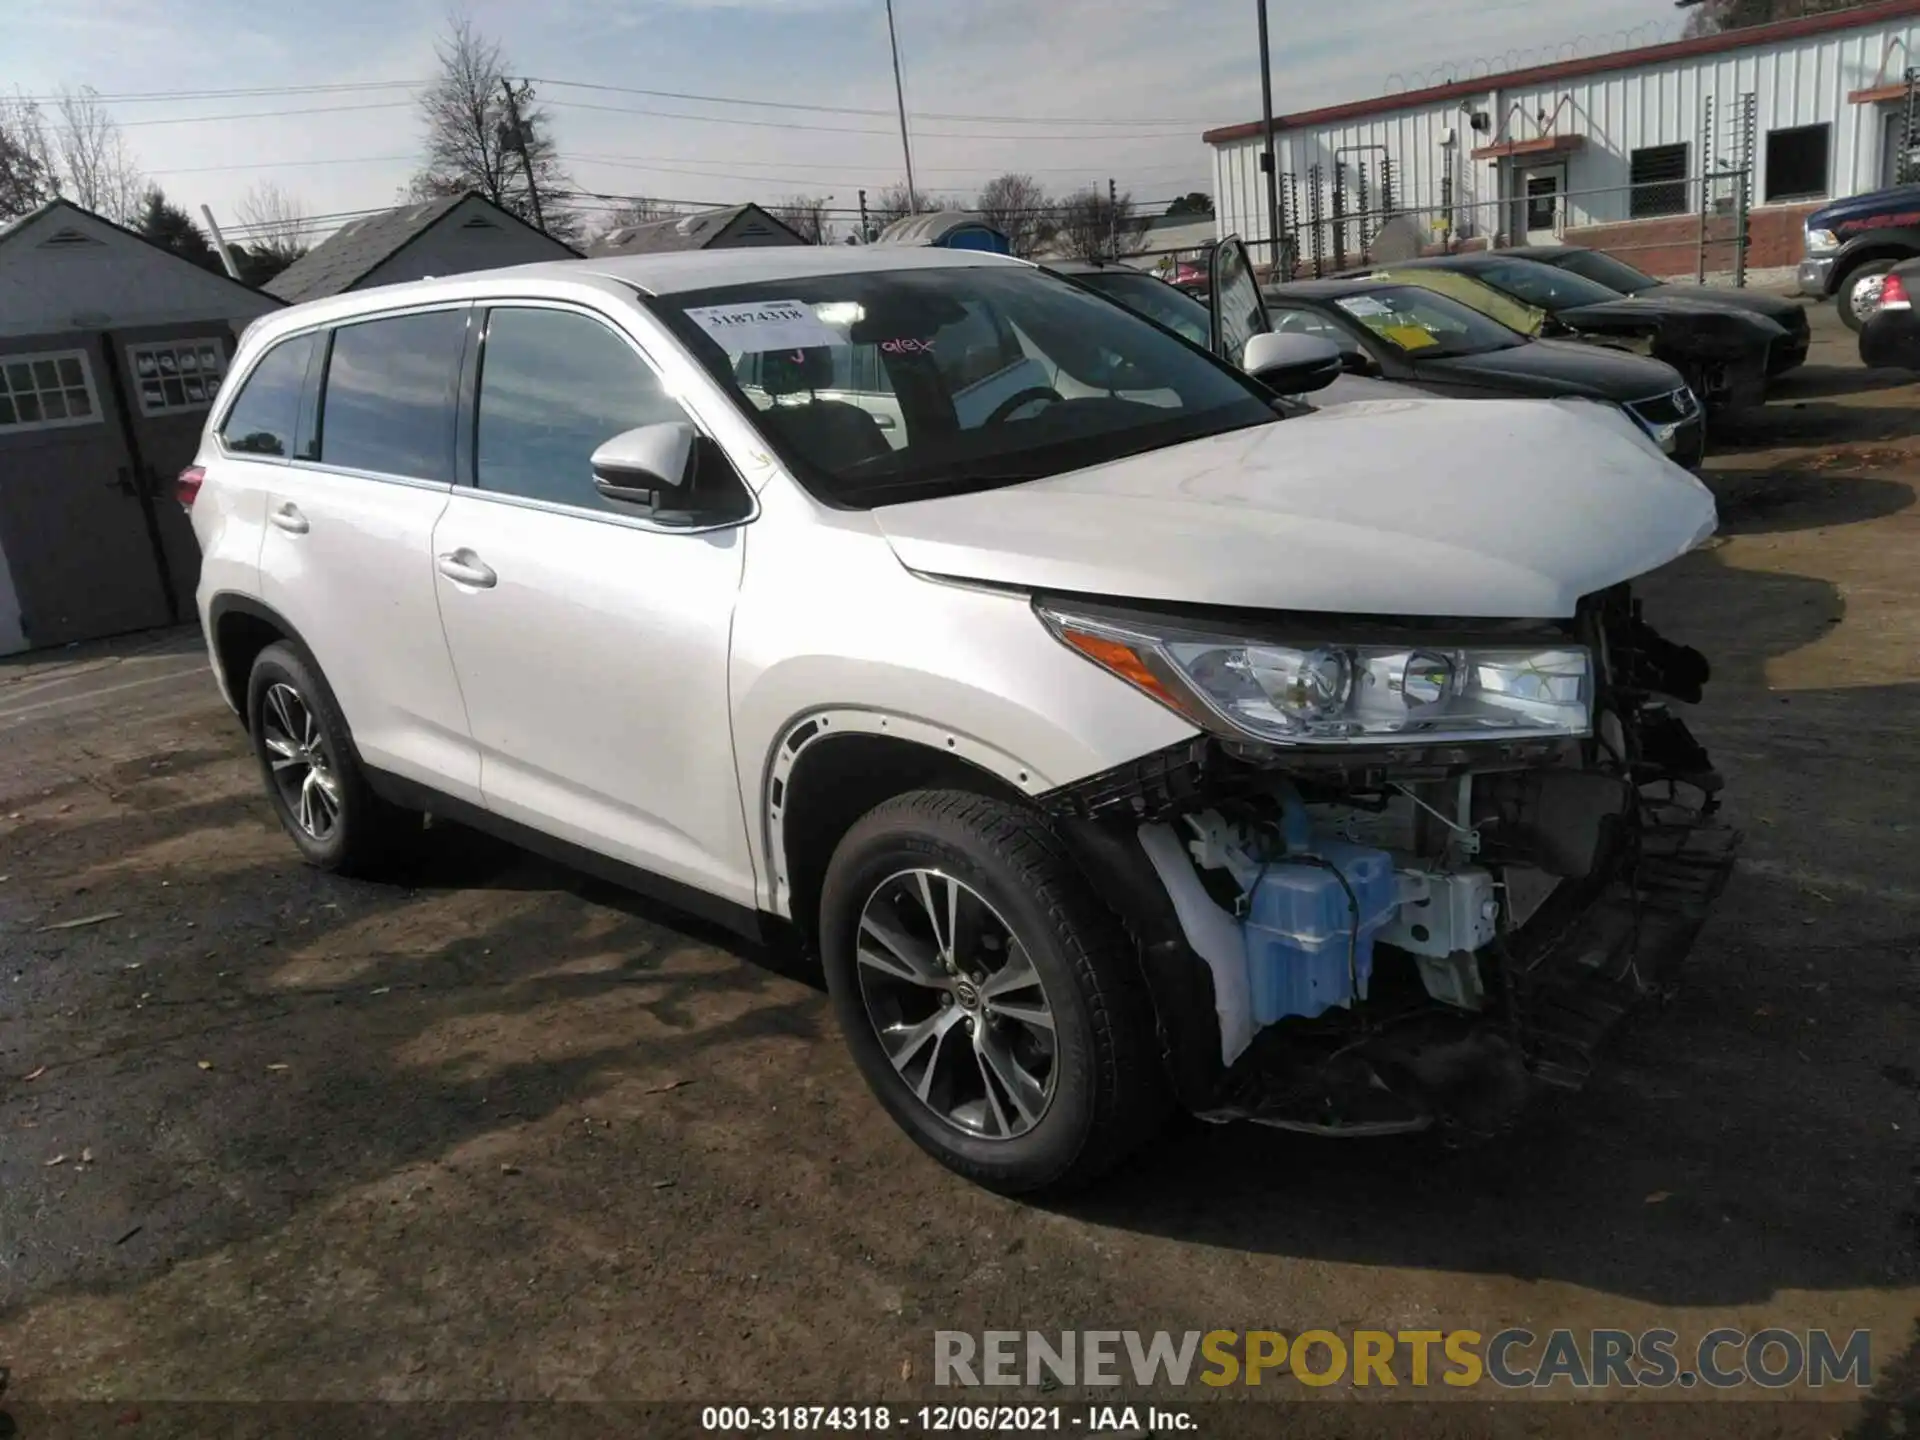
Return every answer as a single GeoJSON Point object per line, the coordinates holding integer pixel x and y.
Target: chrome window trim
{"type": "Point", "coordinates": [217, 426]}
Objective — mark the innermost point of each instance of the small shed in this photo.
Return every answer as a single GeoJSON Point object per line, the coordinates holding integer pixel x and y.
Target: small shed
{"type": "Point", "coordinates": [729, 227]}
{"type": "Point", "coordinates": [450, 236]}
{"type": "Point", "coordinates": [948, 229]}
{"type": "Point", "coordinates": [111, 351]}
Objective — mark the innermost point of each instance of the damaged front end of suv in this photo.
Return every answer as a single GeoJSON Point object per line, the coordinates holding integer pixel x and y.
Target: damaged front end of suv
{"type": "Point", "coordinates": [1408, 872]}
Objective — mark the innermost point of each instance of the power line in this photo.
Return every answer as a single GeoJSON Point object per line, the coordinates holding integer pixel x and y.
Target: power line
{"type": "Point", "coordinates": [265, 114]}
{"type": "Point", "coordinates": [157, 97]}
{"type": "Point", "coordinates": [855, 130]}
{"type": "Point", "coordinates": [281, 164]}
{"type": "Point", "coordinates": [634, 161]}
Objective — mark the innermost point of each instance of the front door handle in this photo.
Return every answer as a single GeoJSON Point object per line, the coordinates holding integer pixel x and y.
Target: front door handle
{"type": "Point", "coordinates": [287, 517]}
{"type": "Point", "coordinates": [463, 567]}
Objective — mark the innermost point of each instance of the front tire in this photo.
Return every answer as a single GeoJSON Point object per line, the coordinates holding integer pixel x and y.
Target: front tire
{"type": "Point", "coordinates": [1859, 292]}
{"type": "Point", "coordinates": [992, 1001]}
{"type": "Point", "coordinates": [311, 771]}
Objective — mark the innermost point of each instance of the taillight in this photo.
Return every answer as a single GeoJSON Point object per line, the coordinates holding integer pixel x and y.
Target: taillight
{"type": "Point", "coordinates": [1893, 294]}
{"type": "Point", "coordinates": [188, 485]}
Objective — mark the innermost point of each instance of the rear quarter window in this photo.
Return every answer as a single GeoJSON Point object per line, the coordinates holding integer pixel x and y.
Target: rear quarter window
{"type": "Point", "coordinates": [264, 415]}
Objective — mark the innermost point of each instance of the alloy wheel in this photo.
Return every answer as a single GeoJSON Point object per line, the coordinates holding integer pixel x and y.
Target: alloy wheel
{"type": "Point", "coordinates": [1864, 297]}
{"type": "Point", "coordinates": [299, 761]}
{"type": "Point", "coordinates": [957, 1004]}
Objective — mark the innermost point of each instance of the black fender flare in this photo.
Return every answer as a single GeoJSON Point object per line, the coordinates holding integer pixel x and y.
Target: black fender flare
{"type": "Point", "coordinates": [1885, 243]}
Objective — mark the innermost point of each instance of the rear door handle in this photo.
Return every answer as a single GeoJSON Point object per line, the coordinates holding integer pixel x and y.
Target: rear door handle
{"type": "Point", "coordinates": [287, 517]}
{"type": "Point", "coordinates": [463, 567]}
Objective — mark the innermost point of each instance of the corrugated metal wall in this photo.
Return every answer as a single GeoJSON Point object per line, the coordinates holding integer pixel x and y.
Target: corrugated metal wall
{"type": "Point", "coordinates": [1803, 82]}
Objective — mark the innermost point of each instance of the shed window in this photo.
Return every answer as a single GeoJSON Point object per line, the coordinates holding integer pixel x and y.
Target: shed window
{"type": "Point", "coordinates": [178, 375]}
{"type": "Point", "coordinates": [1659, 177]}
{"type": "Point", "coordinates": [1797, 162]}
{"type": "Point", "coordinates": [46, 391]}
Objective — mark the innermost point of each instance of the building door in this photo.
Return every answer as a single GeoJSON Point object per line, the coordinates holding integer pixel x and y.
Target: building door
{"type": "Point", "coordinates": [169, 379]}
{"type": "Point", "coordinates": [73, 519]}
{"type": "Point", "coordinates": [1543, 198]}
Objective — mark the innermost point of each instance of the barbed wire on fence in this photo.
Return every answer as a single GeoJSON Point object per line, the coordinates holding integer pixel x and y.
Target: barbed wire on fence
{"type": "Point", "coordinates": [1581, 46]}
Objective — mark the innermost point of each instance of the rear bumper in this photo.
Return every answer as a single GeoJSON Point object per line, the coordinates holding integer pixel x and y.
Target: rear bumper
{"type": "Point", "coordinates": [1890, 340]}
{"type": "Point", "coordinates": [1814, 277]}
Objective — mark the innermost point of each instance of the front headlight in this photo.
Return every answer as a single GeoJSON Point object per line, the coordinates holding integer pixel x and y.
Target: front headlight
{"type": "Point", "coordinates": [1821, 241]}
{"type": "Point", "coordinates": [1338, 693]}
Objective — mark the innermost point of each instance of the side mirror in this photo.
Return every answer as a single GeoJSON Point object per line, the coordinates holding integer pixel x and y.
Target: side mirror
{"type": "Point", "coordinates": [650, 466]}
{"type": "Point", "coordinates": [1359, 362]}
{"type": "Point", "coordinates": [1292, 364]}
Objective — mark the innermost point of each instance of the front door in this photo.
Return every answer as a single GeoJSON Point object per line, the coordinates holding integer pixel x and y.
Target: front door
{"type": "Point", "coordinates": [1543, 197]}
{"type": "Point", "coordinates": [591, 644]}
{"type": "Point", "coordinates": [73, 520]}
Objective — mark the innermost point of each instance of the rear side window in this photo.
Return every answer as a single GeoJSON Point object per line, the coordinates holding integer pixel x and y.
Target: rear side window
{"type": "Point", "coordinates": [554, 388]}
{"type": "Point", "coordinates": [389, 401]}
{"type": "Point", "coordinates": [267, 408]}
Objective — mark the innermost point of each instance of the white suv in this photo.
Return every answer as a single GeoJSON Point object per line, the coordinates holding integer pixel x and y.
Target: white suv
{"type": "Point", "coordinates": [1117, 734]}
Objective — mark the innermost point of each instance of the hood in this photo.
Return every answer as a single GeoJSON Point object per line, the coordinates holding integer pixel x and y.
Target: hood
{"type": "Point", "coordinates": [1654, 307]}
{"type": "Point", "coordinates": [1897, 206]}
{"type": "Point", "coordinates": [1496, 508]}
{"type": "Point", "coordinates": [1557, 367]}
{"type": "Point", "coordinates": [1789, 313]}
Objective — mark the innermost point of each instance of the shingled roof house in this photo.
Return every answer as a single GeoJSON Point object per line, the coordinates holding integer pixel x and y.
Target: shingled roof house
{"type": "Point", "coordinates": [436, 237]}
{"type": "Point", "coordinates": [725, 228]}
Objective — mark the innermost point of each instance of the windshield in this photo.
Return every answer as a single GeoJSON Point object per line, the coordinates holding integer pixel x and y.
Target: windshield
{"type": "Point", "coordinates": [1605, 270]}
{"type": "Point", "coordinates": [1425, 325]}
{"type": "Point", "coordinates": [1156, 300]}
{"type": "Point", "coordinates": [884, 386]}
{"type": "Point", "coordinates": [1541, 285]}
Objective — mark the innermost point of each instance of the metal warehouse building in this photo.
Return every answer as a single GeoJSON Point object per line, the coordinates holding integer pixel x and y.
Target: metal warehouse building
{"type": "Point", "coordinates": [1652, 153]}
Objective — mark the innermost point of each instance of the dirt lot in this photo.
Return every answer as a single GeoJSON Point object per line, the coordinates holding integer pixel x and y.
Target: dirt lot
{"type": "Point", "coordinates": [497, 1133]}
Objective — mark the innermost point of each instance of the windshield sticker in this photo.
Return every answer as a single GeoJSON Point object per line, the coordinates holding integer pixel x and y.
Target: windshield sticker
{"type": "Point", "coordinates": [1364, 305]}
{"type": "Point", "coordinates": [769, 325]}
{"type": "Point", "coordinates": [1407, 337]}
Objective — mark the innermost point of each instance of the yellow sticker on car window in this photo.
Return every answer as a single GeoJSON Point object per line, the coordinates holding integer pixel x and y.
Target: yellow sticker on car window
{"type": "Point", "coordinates": [1408, 337]}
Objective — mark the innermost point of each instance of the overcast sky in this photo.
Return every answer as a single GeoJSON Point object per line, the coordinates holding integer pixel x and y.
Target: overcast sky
{"type": "Point", "coordinates": [1164, 68]}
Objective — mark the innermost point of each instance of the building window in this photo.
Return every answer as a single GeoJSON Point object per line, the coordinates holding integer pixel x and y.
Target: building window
{"type": "Point", "coordinates": [179, 375]}
{"type": "Point", "coordinates": [46, 391]}
{"type": "Point", "coordinates": [1797, 162]}
{"type": "Point", "coordinates": [1659, 177]}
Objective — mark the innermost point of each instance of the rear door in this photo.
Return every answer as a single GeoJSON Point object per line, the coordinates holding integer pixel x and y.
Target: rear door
{"type": "Point", "coordinates": [347, 550]}
{"type": "Point", "coordinates": [75, 525]}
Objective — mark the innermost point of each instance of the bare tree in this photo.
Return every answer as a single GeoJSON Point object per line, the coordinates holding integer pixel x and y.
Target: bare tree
{"type": "Point", "coordinates": [1093, 226]}
{"type": "Point", "coordinates": [28, 177]}
{"type": "Point", "coordinates": [96, 169]}
{"type": "Point", "coordinates": [1019, 207]}
{"type": "Point", "coordinates": [896, 204]}
{"type": "Point", "coordinates": [806, 216]}
{"type": "Point", "coordinates": [473, 142]}
{"type": "Point", "coordinates": [275, 223]}
{"type": "Point", "coordinates": [638, 210]}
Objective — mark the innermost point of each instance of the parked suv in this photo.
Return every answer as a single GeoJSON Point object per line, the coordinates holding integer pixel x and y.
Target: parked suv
{"type": "Point", "coordinates": [1117, 735]}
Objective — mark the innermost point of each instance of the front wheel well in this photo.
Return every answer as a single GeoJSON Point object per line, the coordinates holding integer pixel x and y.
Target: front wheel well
{"type": "Point", "coordinates": [1889, 251]}
{"type": "Point", "coordinates": [836, 780]}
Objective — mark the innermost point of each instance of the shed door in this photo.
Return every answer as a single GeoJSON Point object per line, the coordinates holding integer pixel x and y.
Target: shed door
{"type": "Point", "coordinates": [72, 519]}
{"type": "Point", "coordinates": [171, 379]}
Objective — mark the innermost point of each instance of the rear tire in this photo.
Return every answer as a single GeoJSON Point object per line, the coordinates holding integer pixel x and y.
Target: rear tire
{"type": "Point", "coordinates": [311, 771]}
{"type": "Point", "coordinates": [956, 1053]}
{"type": "Point", "coordinates": [1865, 277]}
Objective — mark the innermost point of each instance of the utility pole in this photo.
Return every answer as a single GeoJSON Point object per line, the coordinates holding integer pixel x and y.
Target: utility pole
{"type": "Point", "coordinates": [865, 234]}
{"type": "Point", "coordinates": [900, 97]}
{"type": "Point", "coordinates": [1113, 218]}
{"type": "Point", "coordinates": [1267, 164]}
{"type": "Point", "coordinates": [517, 135]}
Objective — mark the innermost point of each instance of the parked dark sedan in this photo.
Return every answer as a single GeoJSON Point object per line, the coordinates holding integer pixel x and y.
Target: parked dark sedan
{"type": "Point", "coordinates": [1417, 336]}
{"type": "Point", "coordinates": [1890, 338]}
{"type": "Point", "coordinates": [1722, 353]}
{"type": "Point", "coordinates": [1616, 274]}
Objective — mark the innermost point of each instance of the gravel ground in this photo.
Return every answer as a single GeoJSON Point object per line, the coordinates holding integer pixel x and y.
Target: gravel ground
{"type": "Point", "coordinates": [497, 1133]}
